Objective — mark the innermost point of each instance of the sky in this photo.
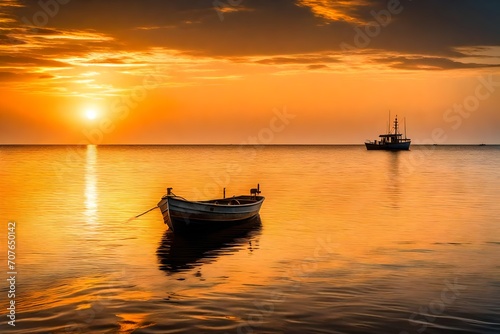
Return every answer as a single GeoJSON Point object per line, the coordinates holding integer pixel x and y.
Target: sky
{"type": "Point", "coordinates": [248, 71]}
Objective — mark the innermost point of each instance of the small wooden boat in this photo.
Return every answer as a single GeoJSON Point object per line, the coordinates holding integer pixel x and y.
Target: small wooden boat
{"type": "Point", "coordinates": [390, 141]}
{"type": "Point", "coordinates": [183, 215]}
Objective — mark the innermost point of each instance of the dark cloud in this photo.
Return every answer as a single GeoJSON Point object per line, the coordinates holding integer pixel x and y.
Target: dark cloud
{"type": "Point", "coordinates": [300, 59]}
{"type": "Point", "coordinates": [265, 27]}
{"type": "Point", "coordinates": [438, 27]}
{"type": "Point", "coordinates": [10, 3]}
{"type": "Point", "coordinates": [15, 61]}
{"type": "Point", "coordinates": [275, 28]}
{"type": "Point", "coordinates": [317, 67]}
{"type": "Point", "coordinates": [427, 63]}
{"type": "Point", "coordinates": [46, 31]}
{"type": "Point", "coordinates": [46, 76]}
{"type": "Point", "coordinates": [8, 40]}
{"type": "Point", "coordinates": [11, 76]}
{"type": "Point", "coordinates": [7, 75]}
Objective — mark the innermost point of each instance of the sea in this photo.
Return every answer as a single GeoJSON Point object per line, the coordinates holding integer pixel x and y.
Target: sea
{"type": "Point", "coordinates": [348, 240]}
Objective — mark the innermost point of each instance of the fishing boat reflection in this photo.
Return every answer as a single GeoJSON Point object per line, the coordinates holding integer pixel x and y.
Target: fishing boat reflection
{"type": "Point", "coordinates": [183, 252]}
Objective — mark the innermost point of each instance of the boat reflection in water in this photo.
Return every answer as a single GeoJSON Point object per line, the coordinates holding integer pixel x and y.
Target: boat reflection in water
{"type": "Point", "coordinates": [180, 252]}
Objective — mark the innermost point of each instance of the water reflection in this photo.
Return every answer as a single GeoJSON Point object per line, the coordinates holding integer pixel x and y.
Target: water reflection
{"type": "Point", "coordinates": [329, 254]}
{"type": "Point", "coordinates": [183, 252]}
{"type": "Point", "coordinates": [394, 179]}
{"type": "Point", "coordinates": [91, 185]}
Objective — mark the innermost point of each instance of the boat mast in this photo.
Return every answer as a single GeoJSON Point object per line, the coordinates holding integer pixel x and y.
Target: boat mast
{"type": "Point", "coordinates": [396, 125]}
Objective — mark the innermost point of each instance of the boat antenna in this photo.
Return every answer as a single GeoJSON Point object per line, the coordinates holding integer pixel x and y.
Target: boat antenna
{"type": "Point", "coordinates": [389, 123]}
{"type": "Point", "coordinates": [405, 127]}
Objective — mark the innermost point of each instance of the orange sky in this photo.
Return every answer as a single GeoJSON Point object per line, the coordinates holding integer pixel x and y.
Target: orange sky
{"type": "Point", "coordinates": [253, 71]}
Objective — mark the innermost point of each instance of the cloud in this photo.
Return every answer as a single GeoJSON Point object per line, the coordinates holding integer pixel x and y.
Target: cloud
{"type": "Point", "coordinates": [10, 3]}
{"type": "Point", "coordinates": [20, 61]}
{"type": "Point", "coordinates": [224, 77]}
{"type": "Point", "coordinates": [341, 10]}
{"type": "Point", "coordinates": [127, 37]}
{"type": "Point", "coordinates": [317, 67]}
{"type": "Point", "coordinates": [428, 63]}
{"type": "Point", "coordinates": [7, 75]}
{"type": "Point", "coordinates": [222, 7]}
{"type": "Point", "coordinates": [299, 59]}
{"type": "Point", "coordinates": [262, 27]}
{"type": "Point", "coordinates": [46, 76]}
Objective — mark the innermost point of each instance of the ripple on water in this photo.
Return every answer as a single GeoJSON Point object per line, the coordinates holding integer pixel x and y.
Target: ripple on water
{"type": "Point", "coordinates": [330, 257]}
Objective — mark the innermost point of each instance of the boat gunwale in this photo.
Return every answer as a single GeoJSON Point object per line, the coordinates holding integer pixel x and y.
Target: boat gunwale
{"type": "Point", "coordinates": [209, 202]}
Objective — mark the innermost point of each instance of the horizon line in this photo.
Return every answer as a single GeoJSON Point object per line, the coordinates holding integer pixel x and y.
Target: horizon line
{"type": "Point", "coordinates": [229, 144]}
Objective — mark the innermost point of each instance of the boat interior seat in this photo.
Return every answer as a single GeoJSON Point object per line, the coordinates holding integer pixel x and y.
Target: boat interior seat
{"type": "Point", "coordinates": [234, 202]}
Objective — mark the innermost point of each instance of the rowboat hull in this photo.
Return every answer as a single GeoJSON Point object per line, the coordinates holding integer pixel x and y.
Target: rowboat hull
{"type": "Point", "coordinates": [182, 215]}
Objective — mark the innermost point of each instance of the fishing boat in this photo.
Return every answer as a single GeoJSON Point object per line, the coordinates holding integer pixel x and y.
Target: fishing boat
{"type": "Point", "coordinates": [183, 215]}
{"type": "Point", "coordinates": [391, 141]}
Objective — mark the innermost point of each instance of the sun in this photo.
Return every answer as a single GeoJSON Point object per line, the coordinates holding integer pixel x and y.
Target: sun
{"type": "Point", "coordinates": [91, 114]}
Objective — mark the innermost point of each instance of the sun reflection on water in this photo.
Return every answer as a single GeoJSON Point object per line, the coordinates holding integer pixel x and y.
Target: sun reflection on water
{"type": "Point", "coordinates": [91, 185]}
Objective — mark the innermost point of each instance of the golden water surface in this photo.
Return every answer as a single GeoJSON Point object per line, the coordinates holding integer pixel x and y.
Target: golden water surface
{"type": "Point", "coordinates": [348, 241]}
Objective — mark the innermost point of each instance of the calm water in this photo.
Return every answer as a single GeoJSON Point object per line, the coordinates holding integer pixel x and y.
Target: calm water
{"type": "Point", "coordinates": [349, 241]}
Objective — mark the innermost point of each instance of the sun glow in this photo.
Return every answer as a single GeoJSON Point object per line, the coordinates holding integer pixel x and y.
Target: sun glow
{"type": "Point", "coordinates": [91, 114]}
